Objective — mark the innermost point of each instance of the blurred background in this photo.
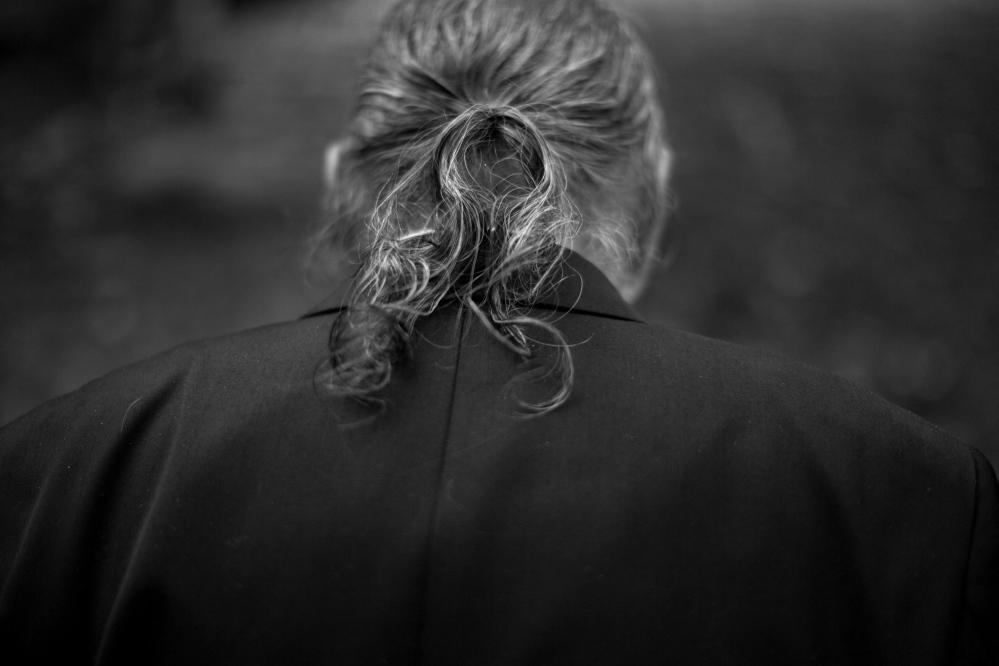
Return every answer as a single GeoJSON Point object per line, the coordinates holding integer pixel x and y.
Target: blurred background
{"type": "Point", "coordinates": [836, 182]}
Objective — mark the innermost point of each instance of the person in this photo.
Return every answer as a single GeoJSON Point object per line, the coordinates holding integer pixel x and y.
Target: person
{"type": "Point", "coordinates": [475, 451]}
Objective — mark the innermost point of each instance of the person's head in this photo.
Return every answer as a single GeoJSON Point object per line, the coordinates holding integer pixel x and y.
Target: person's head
{"type": "Point", "coordinates": [490, 134]}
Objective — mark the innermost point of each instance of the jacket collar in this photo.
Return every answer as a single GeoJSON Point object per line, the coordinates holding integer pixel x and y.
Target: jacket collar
{"type": "Point", "coordinates": [578, 287]}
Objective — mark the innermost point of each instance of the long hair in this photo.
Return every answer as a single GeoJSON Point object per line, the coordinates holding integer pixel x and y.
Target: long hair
{"type": "Point", "coordinates": [489, 136]}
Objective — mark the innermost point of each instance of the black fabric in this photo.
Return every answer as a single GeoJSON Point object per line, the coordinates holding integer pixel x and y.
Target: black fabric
{"type": "Point", "coordinates": [693, 502]}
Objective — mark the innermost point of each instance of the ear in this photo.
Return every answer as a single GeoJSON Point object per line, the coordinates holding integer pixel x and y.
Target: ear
{"type": "Point", "coordinates": [331, 163]}
{"type": "Point", "coordinates": [651, 242]}
{"type": "Point", "coordinates": [664, 167]}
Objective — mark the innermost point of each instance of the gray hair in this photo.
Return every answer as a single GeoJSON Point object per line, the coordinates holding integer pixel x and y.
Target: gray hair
{"type": "Point", "coordinates": [489, 136]}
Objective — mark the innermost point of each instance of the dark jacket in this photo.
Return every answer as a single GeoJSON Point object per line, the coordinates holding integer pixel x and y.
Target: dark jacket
{"type": "Point", "coordinates": [694, 502]}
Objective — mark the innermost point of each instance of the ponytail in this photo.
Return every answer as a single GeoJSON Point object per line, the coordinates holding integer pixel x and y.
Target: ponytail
{"type": "Point", "coordinates": [480, 217]}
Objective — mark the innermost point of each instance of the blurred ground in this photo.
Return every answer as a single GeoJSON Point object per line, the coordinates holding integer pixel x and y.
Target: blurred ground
{"type": "Point", "coordinates": [837, 182]}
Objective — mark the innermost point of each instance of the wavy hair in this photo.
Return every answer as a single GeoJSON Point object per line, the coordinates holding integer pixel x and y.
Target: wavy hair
{"type": "Point", "coordinates": [489, 136]}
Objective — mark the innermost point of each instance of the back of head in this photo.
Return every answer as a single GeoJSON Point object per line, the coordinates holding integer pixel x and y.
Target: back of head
{"type": "Point", "coordinates": [489, 136]}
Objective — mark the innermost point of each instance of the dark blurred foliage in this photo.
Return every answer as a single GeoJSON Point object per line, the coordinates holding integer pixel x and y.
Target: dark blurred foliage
{"type": "Point", "coordinates": [836, 177]}
{"type": "Point", "coordinates": [159, 171]}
